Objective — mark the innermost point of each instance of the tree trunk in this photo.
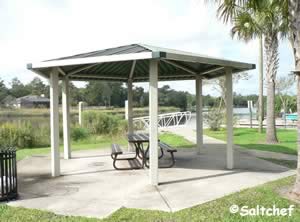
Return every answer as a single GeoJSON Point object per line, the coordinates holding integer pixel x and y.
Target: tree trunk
{"type": "Point", "coordinates": [294, 22]}
{"type": "Point", "coordinates": [261, 87]}
{"type": "Point", "coordinates": [296, 189]}
{"type": "Point", "coordinates": [271, 50]}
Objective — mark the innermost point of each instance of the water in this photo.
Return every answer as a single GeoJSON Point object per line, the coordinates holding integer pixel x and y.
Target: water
{"type": "Point", "coordinates": [243, 113]}
{"type": "Point", "coordinates": [240, 113]}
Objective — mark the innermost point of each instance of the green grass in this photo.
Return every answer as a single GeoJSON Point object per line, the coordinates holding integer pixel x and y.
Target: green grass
{"type": "Point", "coordinates": [175, 140]}
{"type": "Point", "coordinates": [101, 142]}
{"type": "Point", "coordinates": [218, 210]}
{"type": "Point", "coordinates": [98, 142]}
{"type": "Point", "coordinates": [251, 139]}
{"type": "Point", "coordinates": [287, 163]}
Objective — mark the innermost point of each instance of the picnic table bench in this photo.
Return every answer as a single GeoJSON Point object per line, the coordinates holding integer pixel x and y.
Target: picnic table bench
{"type": "Point", "coordinates": [116, 151]}
{"type": "Point", "coordinates": [165, 148]}
{"type": "Point", "coordinates": [138, 141]}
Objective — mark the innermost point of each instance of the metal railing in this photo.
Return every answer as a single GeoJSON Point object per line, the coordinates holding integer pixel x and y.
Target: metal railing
{"type": "Point", "coordinates": [8, 174]}
{"type": "Point", "coordinates": [164, 120]}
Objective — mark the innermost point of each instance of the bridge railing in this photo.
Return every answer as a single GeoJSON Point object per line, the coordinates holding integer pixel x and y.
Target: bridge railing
{"type": "Point", "coordinates": [164, 120]}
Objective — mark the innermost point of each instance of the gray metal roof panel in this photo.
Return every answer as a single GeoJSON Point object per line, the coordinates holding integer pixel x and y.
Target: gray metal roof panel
{"type": "Point", "coordinates": [126, 49]}
{"type": "Point", "coordinates": [174, 64]}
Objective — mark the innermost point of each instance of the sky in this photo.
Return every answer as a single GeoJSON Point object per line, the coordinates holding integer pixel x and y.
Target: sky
{"type": "Point", "coordinates": [36, 30]}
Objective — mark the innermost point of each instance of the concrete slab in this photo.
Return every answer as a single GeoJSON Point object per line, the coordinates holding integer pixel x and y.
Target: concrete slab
{"type": "Point", "coordinates": [91, 187]}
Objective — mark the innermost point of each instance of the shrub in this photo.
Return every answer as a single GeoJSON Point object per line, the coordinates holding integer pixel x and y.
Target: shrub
{"type": "Point", "coordinates": [27, 136]}
{"type": "Point", "coordinates": [79, 133]}
{"type": "Point", "coordinates": [24, 135]}
{"type": "Point", "coordinates": [101, 123]}
{"type": "Point", "coordinates": [214, 118]}
{"type": "Point", "coordinates": [9, 135]}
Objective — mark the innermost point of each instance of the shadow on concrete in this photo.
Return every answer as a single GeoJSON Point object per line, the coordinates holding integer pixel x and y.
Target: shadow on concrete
{"type": "Point", "coordinates": [95, 170]}
{"type": "Point", "coordinates": [90, 156]}
{"type": "Point", "coordinates": [87, 172]}
{"type": "Point", "coordinates": [213, 157]}
{"type": "Point", "coordinates": [199, 178]}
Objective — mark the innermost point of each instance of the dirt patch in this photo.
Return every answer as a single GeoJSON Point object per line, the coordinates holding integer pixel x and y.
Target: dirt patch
{"type": "Point", "coordinates": [286, 192]}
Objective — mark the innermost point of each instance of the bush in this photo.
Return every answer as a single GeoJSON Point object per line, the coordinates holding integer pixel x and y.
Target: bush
{"type": "Point", "coordinates": [214, 119]}
{"type": "Point", "coordinates": [79, 133]}
{"type": "Point", "coordinates": [103, 124]}
{"type": "Point", "coordinates": [9, 135]}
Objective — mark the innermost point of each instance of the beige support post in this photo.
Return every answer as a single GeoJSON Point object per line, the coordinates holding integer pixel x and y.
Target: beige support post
{"type": "Point", "coordinates": [129, 112]}
{"type": "Point", "coordinates": [54, 123]}
{"type": "Point", "coordinates": [126, 109]}
{"type": "Point", "coordinates": [199, 117]}
{"type": "Point", "coordinates": [250, 107]}
{"type": "Point", "coordinates": [129, 103]}
{"type": "Point", "coordinates": [153, 126]}
{"type": "Point", "coordinates": [80, 110]}
{"type": "Point", "coordinates": [66, 117]}
{"type": "Point", "coordinates": [229, 118]}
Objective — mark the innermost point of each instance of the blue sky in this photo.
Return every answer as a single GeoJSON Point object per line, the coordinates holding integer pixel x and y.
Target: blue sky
{"type": "Point", "coordinates": [34, 30]}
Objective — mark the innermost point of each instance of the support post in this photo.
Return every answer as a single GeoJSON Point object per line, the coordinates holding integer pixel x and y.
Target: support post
{"type": "Point", "coordinates": [66, 117]}
{"type": "Point", "coordinates": [250, 106]}
{"type": "Point", "coordinates": [229, 118]}
{"type": "Point", "coordinates": [54, 123]}
{"type": "Point", "coordinates": [80, 110]}
{"type": "Point", "coordinates": [153, 126]}
{"type": "Point", "coordinates": [129, 112]}
{"type": "Point", "coordinates": [126, 110]}
{"type": "Point", "coordinates": [129, 104]}
{"type": "Point", "coordinates": [199, 117]}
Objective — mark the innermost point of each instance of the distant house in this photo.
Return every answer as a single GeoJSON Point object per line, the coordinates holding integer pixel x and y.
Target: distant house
{"type": "Point", "coordinates": [31, 101]}
{"type": "Point", "coordinates": [9, 101]}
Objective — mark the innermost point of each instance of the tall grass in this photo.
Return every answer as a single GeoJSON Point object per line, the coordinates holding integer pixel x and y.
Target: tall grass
{"type": "Point", "coordinates": [100, 123]}
{"type": "Point", "coordinates": [24, 135]}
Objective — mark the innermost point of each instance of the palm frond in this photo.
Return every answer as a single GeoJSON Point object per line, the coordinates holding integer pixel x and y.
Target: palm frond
{"type": "Point", "coordinates": [245, 26]}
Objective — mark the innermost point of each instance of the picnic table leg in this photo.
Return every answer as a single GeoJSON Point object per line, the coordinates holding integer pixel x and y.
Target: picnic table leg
{"type": "Point", "coordinates": [139, 149]}
{"type": "Point", "coordinates": [161, 152]}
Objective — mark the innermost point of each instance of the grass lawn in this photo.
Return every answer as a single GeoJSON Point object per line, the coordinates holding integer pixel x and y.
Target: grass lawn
{"type": "Point", "coordinates": [287, 163]}
{"type": "Point", "coordinates": [218, 210]}
{"type": "Point", "coordinates": [92, 143]}
{"type": "Point", "coordinates": [251, 139]}
{"type": "Point", "coordinates": [105, 142]}
{"type": "Point", "coordinates": [175, 140]}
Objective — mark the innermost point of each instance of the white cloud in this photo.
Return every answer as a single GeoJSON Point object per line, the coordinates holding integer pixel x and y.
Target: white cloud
{"type": "Point", "coordinates": [37, 30]}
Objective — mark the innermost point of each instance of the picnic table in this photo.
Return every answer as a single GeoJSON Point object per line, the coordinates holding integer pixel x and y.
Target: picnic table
{"type": "Point", "coordinates": [141, 151]}
{"type": "Point", "coordinates": [138, 140]}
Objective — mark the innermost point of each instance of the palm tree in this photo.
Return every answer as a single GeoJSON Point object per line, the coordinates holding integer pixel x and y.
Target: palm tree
{"type": "Point", "coordinates": [252, 19]}
{"type": "Point", "coordinates": [292, 8]}
{"type": "Point", "coordinates": [291, 12]}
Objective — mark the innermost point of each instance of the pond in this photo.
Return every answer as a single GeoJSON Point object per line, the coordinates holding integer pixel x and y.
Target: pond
{"type": "Point", "coordinates": [240, 113]}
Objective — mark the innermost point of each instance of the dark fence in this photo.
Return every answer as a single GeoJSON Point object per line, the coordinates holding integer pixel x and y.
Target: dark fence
{"type": "Point", "coordinates": [8, 174]}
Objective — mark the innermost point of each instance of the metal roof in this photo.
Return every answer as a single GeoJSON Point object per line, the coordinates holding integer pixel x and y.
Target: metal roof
{"type": "Point", "coordinates": [33, 98]}
{"type": "Point", "coordinates": [132, 61]}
